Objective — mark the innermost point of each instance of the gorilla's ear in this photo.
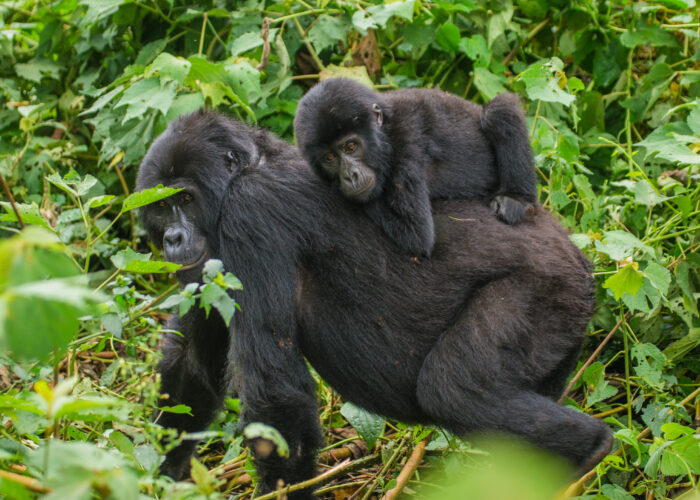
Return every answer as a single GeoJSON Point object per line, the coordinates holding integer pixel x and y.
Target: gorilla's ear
{"type": "Point", "coordinates": [232, 163]}
{"type": "Point", "coordinates": [377, 113]}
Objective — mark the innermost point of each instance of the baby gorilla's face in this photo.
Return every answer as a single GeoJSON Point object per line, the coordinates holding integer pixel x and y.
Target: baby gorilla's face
{"type": "Point", "coordinates": [344, 160]}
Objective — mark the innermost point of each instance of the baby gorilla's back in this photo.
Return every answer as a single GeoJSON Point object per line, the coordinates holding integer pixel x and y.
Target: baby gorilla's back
{"type": "Point", "coordinates": [445, 131]}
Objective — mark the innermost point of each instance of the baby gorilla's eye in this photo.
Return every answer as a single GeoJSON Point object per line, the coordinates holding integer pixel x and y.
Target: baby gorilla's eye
{"type": "Point", "coordinates": [187, 197]}
{"type": "Point", "coordinates": [329, 157]}
{"type": "Point", "coordinates": [350, 146]}
{"type": "Point", "coordinates": [162, 204]}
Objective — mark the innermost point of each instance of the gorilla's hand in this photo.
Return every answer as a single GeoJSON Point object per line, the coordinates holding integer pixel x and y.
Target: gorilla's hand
{"type": "Point", "coordinates": [511, 209]}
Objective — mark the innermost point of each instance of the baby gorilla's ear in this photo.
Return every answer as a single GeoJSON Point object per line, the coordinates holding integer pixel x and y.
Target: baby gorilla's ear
{"type": "Point", "coordinates": [377, 113]}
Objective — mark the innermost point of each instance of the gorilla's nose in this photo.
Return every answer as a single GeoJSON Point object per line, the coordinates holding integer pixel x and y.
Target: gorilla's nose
{"type": "Point", "coordinates": [173, 240]}
{"type": "Point", "coordinates": [351, 177]}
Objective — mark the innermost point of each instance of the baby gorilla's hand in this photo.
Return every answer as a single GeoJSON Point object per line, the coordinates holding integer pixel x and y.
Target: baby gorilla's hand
{"type": "Point", "coordinates": [511, 210]}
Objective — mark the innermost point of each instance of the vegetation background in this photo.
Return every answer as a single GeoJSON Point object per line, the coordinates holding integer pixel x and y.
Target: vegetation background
{"type": "Point", "coordinates": [612, 92]}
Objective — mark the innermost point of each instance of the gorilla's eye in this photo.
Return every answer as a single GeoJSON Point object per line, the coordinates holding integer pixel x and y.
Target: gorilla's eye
{"type": "Point", "coordinates": [351, 146]}
{"type": "Point", "coordinates": [187, 197]}
{"type": "Point", "coordinates": [162, 204]}
{"type": "Point", "coordinates": [329, 157]}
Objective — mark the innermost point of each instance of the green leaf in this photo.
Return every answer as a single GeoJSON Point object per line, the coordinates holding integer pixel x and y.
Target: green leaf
{"type": "Point", "coordinates": [29, 212]}
{"type": "Point", "coordinates": [368, 425]}
{"type": "Point", "coordinates": [147, 196]}
{"type": "Point", "coordinates": [378, 15]}
{"type": "Point", "coordinates": [669, 143]}
{"type": "Point", "coordinates": [256, 430]}
{"type": "Point", "coordinates": [146, 94]}
{"type": "Point", "coordinates": [476, 49]}
{"type": "Point", "coordinates": [177, 409]}
{"type": "Point", "coordinates": [214, 295]}
{"type": "Point", "coordinates": [326, 32]}
{"type": "Point", "coordinates": [356, 73]}
{"type": "Point", "coordinates": [244, 79]}
{"type": "Point", "coordinates": [36, 69]}
{"type": "Point", "coordinates": [659, 276]}
{"type": "Point", "coordinates": [626, 280]}
{"type": "Point", "coordinates": [650, 363]}
{"type": "Point", "coordinates": [173, 67]}
{"type": "Point", "coordinates": [448, 37]}
{"type": "Point", "coordinates": [99, 201]}
{"type": "Point", "coordinates": [645, 194]}
{"type": "Point", "coordinates": [488, 84]}
{"type": "Point", "coordinates": [131, 261]}
{"type": "Point", "coordinates": [682, 346]}
{"type": "Point", "coordinates": [599, 388]}
{"type": "Point", "coordinates": [621, 245]}
{"type": "Point", "coordinates": [652, 35]}
{"type": "Point", "coordinates": [542, 82]}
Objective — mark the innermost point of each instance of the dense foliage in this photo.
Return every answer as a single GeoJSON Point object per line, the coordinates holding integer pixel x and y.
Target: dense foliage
{"type": "Point", "coordinates": [612, 91]}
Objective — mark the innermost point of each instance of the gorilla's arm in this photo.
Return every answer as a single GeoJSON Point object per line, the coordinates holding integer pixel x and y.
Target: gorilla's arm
{"type": "Point", "coordinates": [193, 372]}
{"type": "Point", "coordinates": [403, 210]}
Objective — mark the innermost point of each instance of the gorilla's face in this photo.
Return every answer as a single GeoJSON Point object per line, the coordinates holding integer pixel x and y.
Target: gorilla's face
{"type": "Point", "coordinates": [344, 160]}
{"type": "Point", "coordinates": [182, 240]}
{"type": "Point", "coordinates": [199, 153]}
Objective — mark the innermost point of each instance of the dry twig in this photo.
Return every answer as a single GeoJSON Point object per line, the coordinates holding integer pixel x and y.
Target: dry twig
{"type": "Point", "coordinates": [407, 471]}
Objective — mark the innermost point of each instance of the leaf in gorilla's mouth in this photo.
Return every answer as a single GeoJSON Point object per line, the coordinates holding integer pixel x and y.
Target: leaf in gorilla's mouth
{"type": "Point", "coordinates": [194, 263]}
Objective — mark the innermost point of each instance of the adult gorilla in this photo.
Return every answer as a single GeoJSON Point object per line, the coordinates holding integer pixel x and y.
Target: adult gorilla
{"type": "Point", "coordinates": [479, 337]}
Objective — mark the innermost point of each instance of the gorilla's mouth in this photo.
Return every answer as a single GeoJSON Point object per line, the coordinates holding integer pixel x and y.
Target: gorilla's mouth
{"type": "Point", "coordinates": [361, 192]}
{"type": "Point", "coordinates": [198, 261]}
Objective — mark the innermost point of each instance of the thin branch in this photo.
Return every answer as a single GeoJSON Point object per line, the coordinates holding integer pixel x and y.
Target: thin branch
{"type": "Point", "coordinates": [407, 471]}
{"type": "Point", "coordinates": [592, 357]}
{"type": "Point", "coordinates": [527, 40]}
{"type": "Point", "coordinates": [265, 35]}
{"type": "Point", "coordinates": [28, 482]}
{"type": "Point", "coordinates": [322, 478]}
{"type": "Point", "coordinates": [8, 193]}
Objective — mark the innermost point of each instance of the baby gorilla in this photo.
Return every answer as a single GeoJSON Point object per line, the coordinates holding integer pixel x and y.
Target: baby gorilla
{"type": "Point", "coordinates": [395, 151]}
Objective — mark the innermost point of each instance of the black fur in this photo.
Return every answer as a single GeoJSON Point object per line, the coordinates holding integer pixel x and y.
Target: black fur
{"type": "Point", "coordinates": [428, 145]}
{"type": "Point", "coordinates": [480, 337]}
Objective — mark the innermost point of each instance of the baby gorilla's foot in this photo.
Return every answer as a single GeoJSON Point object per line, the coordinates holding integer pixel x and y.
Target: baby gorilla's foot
{"type": "Point", "coordinates": [511, 210]}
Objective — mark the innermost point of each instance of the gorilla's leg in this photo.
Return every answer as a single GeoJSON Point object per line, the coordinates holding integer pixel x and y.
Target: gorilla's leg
{"type": "Point", "coordinates": [483, 372]}
{"type": "Point", "coordinates": [193, 372]}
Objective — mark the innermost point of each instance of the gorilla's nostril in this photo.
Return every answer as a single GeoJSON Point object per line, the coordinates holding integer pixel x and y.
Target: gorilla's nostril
{"type": "Point", "coordinates": [173, 239]}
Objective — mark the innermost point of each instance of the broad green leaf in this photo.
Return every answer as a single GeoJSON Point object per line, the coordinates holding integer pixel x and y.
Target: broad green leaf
{"type": "Point", "coordinates": [214, 295]}
{"type": "Point", "coordinates": [645, 194]}
{"type": "Point", "coordinates": [476, 49]}
{"type": "Point", "coordinates": [326, 32]}
{"type": "Point", "coordinates": [650, 363]}
{"type": "Point", "coordinates": [621, 245]}
{"type": "Point", "coordinates": [99, 201]}
{"type": "Point", "coordinates": [147, 196]}
{"type": "Point", "coordinates": [368, 425]}
{"type": "Point", "coordinates": [29, 212]}
{"type": "Point", "coordinates": [244, 79]}
{"type": "Point", "coordinates": [173, 67]}
{"type": "Point", "coordinates": [177, 409]}
{"type": "Point", "coordinates": [448, 37]}
{"type": "Point", "coordinates": [659, 276]}
{"type": "Point", "coordinates": [626, 280]}
{"type": "Point", "coordinates": [542, 82]}
{"type": "Point", "coordinates": [257, 430]}
{"type": "Point", "coordinates": [599, 388]}
{"type": "Point", "coordinates": [669, 143]}
{"type": "Point", "coordinates": [131, 261]}
{"type": "Point", "coordinates": [652, 35]}
{"type": "Point", "coordinates": [36, 69]}
{"type": "Point", "coordinates": [488, 84]}
{"type": "Point", "coordinates": [378, 15]}
{"type": "Point", "coordinates": [682, 346]}
{"type": "Point", "coordinates": [356, 73]}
